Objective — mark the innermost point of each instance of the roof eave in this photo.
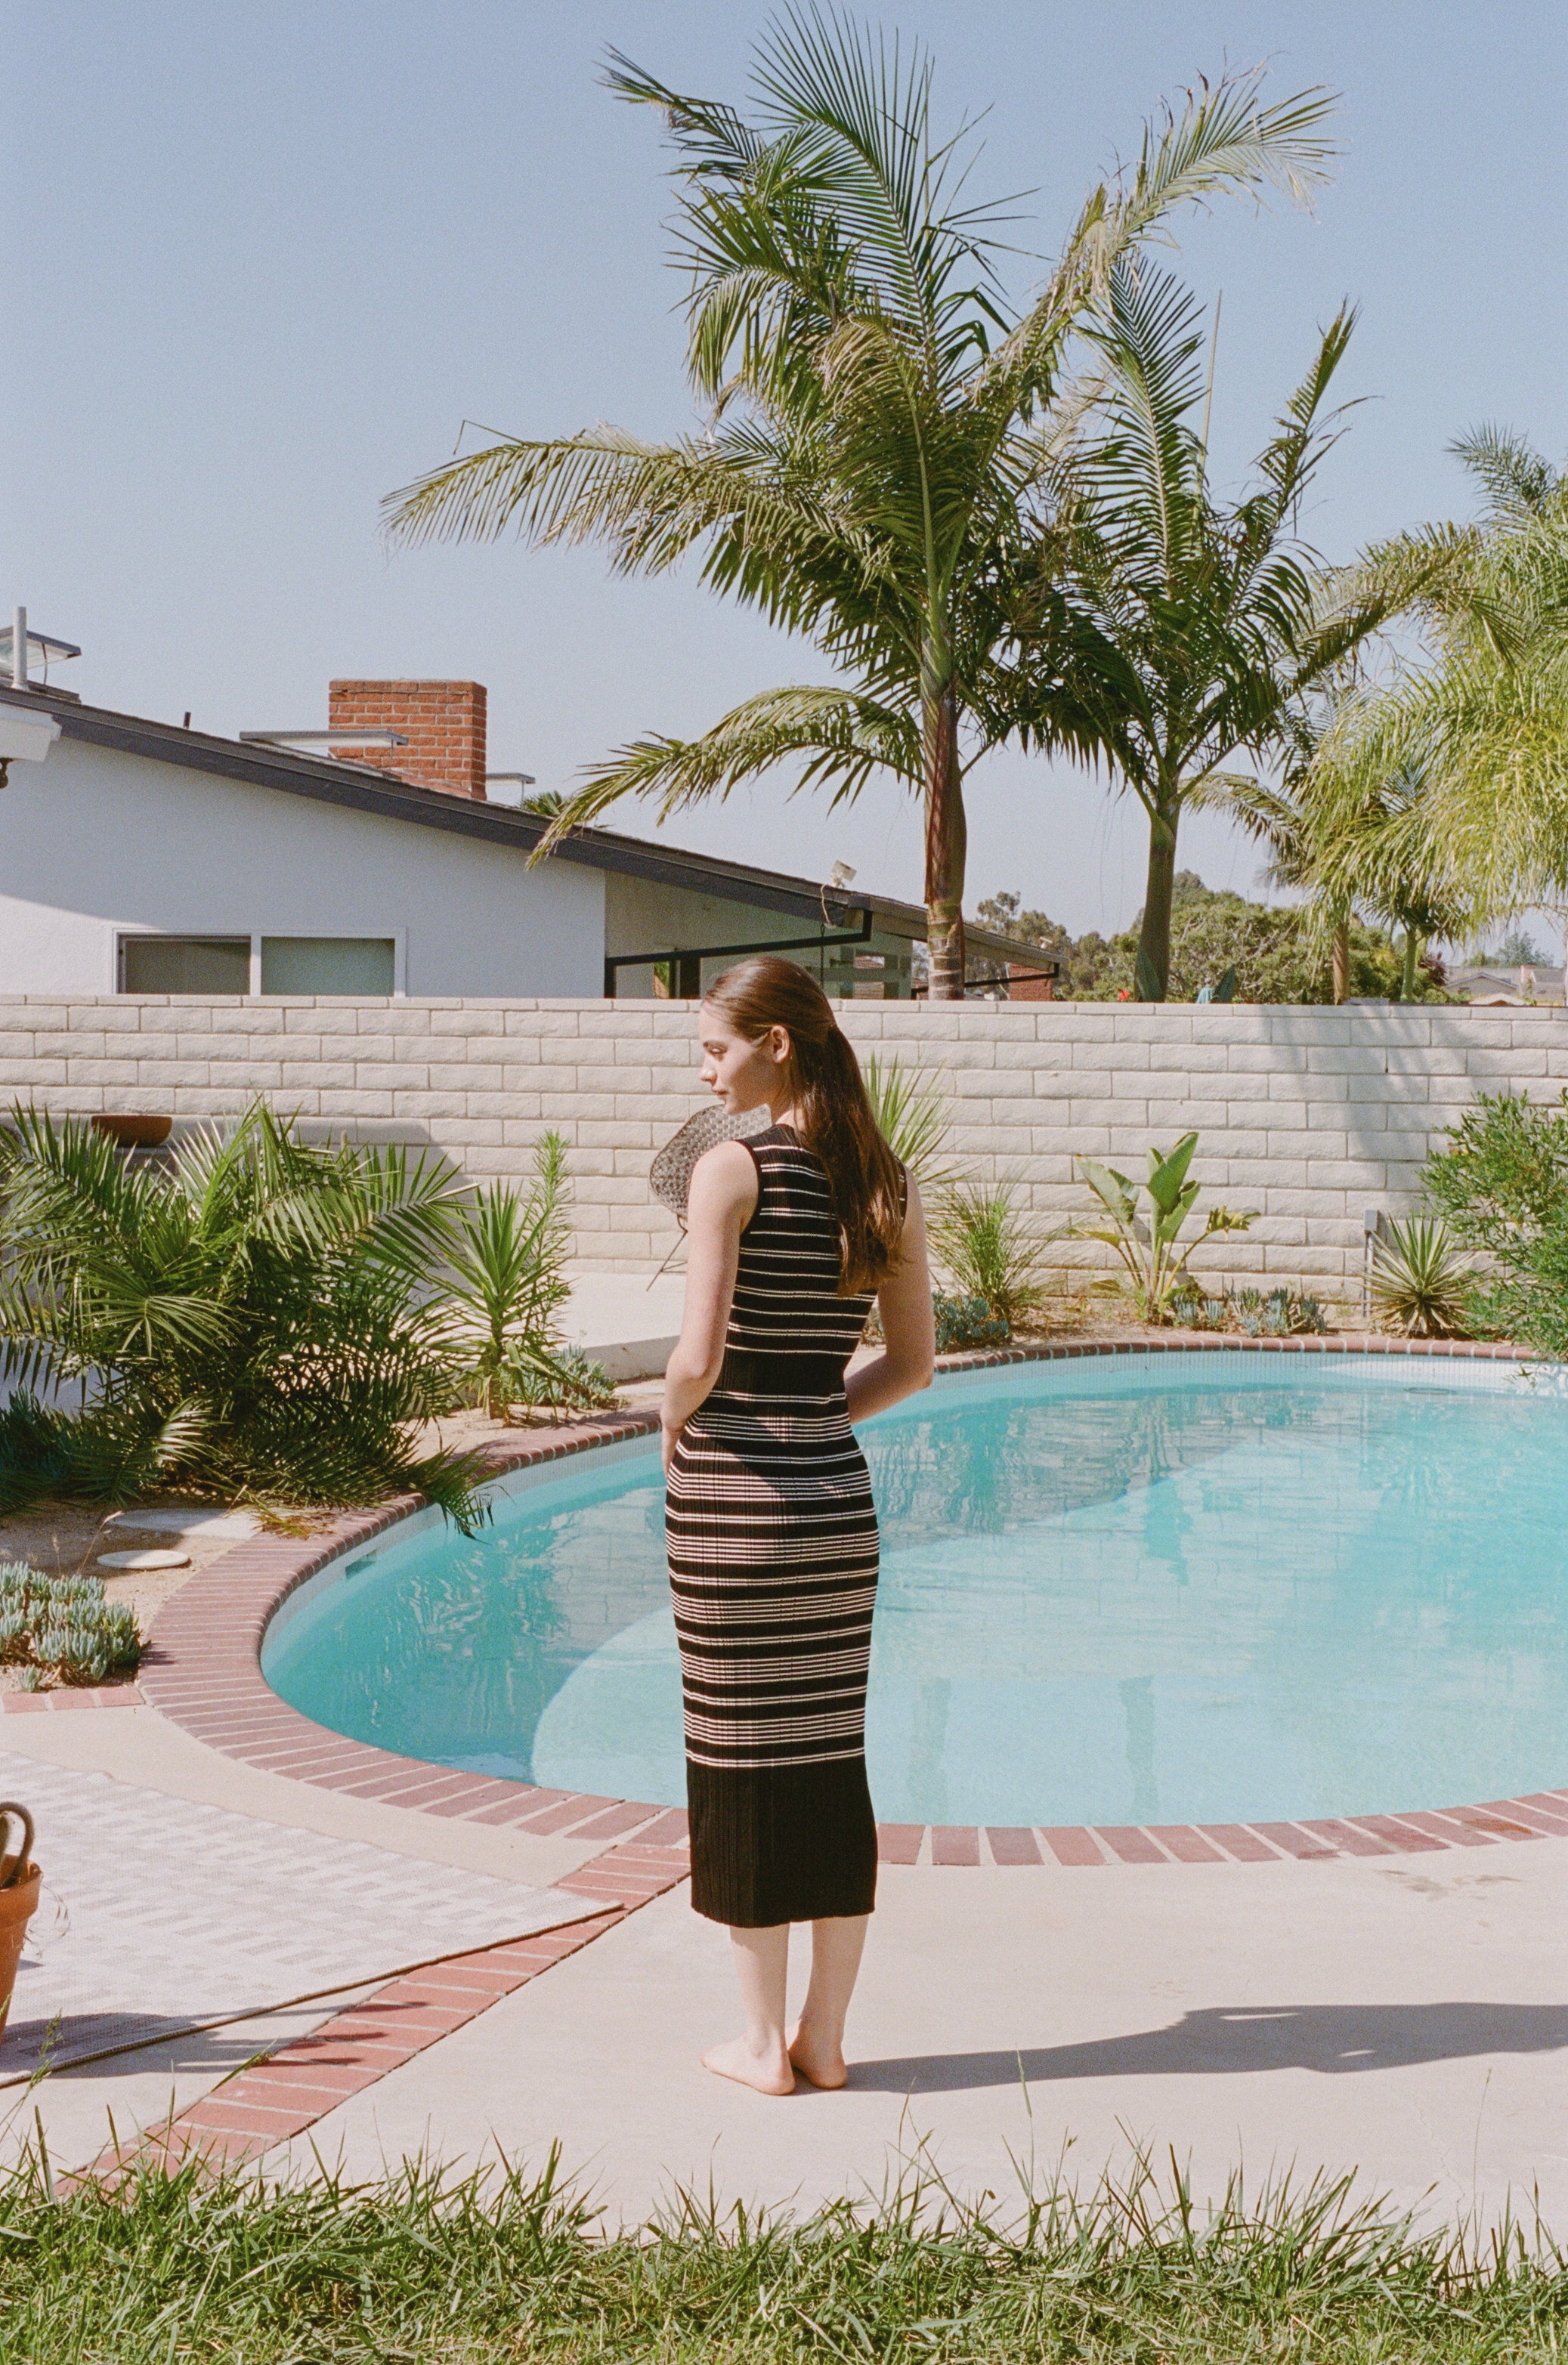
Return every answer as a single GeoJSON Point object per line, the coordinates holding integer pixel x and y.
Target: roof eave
{"type": "Point", "coordinates": [364, 787]}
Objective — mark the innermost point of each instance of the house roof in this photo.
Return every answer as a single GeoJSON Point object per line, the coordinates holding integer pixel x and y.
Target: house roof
{"type": "Point", "coordinates": [361, 788]}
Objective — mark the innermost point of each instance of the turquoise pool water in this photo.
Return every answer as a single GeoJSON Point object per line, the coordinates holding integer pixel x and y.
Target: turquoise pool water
{"type": "Point", "coordinates": [1178, 1589]}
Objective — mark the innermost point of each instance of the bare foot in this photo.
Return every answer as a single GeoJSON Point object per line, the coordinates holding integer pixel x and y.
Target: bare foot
{"type": "Point", "coordinates": [768, 2073]}
{"type": "Point", "coordinates": [819, 2064]}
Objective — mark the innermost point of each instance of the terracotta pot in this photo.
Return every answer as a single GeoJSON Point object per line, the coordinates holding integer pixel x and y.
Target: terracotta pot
{"type": "Point", "coordinates": [136, 1131]}
{"type": "Point", "coordinates": [18, 1906]}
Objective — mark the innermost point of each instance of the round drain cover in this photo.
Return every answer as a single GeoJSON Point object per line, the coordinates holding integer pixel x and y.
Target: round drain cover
{"type": "Point", "coordinates": [145, 1560]}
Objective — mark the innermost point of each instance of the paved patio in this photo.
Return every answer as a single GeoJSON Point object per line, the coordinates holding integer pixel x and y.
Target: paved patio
{"type": "Point", "coordinates": [1406, 2017]}
{"type": "Point", "coordinates": [1407, 2020]}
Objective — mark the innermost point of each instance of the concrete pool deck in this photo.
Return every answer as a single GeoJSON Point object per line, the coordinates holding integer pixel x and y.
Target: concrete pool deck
{"type": "Point", "coordinates": [1408, 2021]}
{"type": "Point", "coordinates": [1405, 2017]}
{"type": "Point", "coordinates": [1396, 2005]}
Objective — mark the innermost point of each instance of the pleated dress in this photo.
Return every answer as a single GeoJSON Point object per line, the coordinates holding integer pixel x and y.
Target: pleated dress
{"type": "Point", "coordinates": [773, 1560]}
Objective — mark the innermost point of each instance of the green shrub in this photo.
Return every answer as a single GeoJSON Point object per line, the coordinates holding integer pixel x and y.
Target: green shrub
{"type": "Point", "coordinates": [986, 1248]}
{"type": "Point", "coordinates": [62, 1626]}
{"type": "Point", "coordinates": [1272, 949]}
{"type": "Point", "coordinates": [966, 1322]}
{"type": "Point", "coordinates": [1502, 1188]}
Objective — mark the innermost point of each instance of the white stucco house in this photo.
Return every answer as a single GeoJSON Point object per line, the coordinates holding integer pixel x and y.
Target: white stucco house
{"type": "Point", "coordinates": [373, 857]}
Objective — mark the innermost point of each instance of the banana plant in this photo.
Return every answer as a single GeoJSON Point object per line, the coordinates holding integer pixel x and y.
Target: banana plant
{"type": "Point", "coordinates": [1144, 1222]}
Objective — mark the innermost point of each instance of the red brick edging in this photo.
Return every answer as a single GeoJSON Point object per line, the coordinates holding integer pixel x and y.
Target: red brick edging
{"type": "Point", "coordinates": [203, 1671]}
{"type": "Point", "coordinates": [73, 1696]}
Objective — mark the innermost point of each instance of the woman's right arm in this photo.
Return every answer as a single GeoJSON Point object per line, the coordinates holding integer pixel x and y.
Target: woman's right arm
{"type": "Point", "coordinates": [721, 1204]}
{"type": "Point", "coordinates": [904, 1304]}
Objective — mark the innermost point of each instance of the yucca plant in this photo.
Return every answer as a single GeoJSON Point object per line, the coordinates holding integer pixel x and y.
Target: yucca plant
{"type": "Point", "coordinates": [1145, 1221]}
{"type": "Point", "coordinates": [503, 1287]}
{"type": "Point", "coordinates": [911, 1109]}
{"type": "Point", "coordinates": [989, 1249]}
{"type": "Point", "coordinates": [1421, 1280]}
{"type": "Point", "coordinates": [253, 1320]}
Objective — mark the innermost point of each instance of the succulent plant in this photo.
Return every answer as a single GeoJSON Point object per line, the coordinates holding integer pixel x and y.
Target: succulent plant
{"type": "Point", "coordinates": [63, 1624]}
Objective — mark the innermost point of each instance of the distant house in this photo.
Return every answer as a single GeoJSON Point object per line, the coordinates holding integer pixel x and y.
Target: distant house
{"type": "Point", "coordinates": [139, 857]}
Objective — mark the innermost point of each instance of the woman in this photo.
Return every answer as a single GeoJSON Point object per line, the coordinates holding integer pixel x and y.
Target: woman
{"type": "Point", "coordinates": [772, 1532]}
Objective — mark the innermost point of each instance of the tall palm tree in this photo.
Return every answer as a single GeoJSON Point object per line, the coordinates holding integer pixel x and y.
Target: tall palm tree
{"type": "Point", "coordinates": [1205, 628]}
{"type": "Point", "coordinates": [883, 427]}
{"type": "Point", "coordinates": [1470, 749]}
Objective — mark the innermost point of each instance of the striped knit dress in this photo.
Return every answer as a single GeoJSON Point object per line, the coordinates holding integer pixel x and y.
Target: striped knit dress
{"type": "Point", "coordinates": [773, 1555]}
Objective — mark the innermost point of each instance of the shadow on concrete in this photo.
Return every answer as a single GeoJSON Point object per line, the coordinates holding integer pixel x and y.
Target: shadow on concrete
{"type": "Point", "coordinates": [1234, 2041]}
{"type": "Point", "coordinates": [119, 2044]}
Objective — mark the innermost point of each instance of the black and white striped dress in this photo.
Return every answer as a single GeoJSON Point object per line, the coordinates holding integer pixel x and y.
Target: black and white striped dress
{"type": "Point", "coordinates": [773, 1555]}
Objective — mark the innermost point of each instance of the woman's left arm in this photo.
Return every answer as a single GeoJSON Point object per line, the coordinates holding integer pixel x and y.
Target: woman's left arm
{"type": "Point", "coordinates": [903, 1302]}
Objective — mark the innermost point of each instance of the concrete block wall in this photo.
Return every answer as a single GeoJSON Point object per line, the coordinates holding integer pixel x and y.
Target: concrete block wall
{"type": "Point", "coordinates": [1309, 1115]}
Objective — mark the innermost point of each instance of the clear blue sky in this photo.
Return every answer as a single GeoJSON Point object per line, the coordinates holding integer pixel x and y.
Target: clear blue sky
{"type": "Point", "coordinates": [275, 254]}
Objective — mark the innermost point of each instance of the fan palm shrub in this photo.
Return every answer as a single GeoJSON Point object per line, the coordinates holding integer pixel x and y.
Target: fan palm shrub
{"type": "Point", "coordinates": [877, 468]}
{"type": "Point", "coordinates": [502, 1286]}
{"type": "Point", "coordinates": [911, 1109]}
{"type": "Point", "coordinates": [253, 1320]}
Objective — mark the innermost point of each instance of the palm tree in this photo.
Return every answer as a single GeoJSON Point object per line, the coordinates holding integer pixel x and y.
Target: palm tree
{"type": "Point", "coordinates": [1280, 815]}
{"type": "Point", "coordinates": [1352, 845]}
{"type": "Point", "coordinates": [1205, 628]}
{"type": "Point", "coordinates": [1468, 751]}
{"type": "Point", "coordinates": [883, 428]}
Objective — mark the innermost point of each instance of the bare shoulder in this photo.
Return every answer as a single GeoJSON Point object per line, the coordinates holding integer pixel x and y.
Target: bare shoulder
{"type": "Point", "coordinates": [723, 1178]}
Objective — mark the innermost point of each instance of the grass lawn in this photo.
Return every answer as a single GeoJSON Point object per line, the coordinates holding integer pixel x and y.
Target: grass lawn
{"type": "Point", "coordinates": [415, 2273]}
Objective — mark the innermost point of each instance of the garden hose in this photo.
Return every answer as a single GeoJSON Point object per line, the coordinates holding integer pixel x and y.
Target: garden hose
{"type": "Point", "coordinates": [14, 1870]}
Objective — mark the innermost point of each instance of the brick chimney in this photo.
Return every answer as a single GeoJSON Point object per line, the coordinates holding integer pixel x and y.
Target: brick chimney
{"type": "Point", "coordinates": [443, 722]}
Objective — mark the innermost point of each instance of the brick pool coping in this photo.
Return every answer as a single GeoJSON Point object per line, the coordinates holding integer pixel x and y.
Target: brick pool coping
{"type": "Point", "coordinates": [202, 1670]}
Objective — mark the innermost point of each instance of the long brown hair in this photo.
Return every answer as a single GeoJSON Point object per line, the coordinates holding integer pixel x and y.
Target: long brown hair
{"type": "Point", "coordinates": [836, 1120]}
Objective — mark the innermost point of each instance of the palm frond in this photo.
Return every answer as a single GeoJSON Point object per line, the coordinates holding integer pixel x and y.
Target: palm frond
{"type": "Point", "coordinates": [1517, 481]}
{"type": "Point", "coordinates": [844, 738]}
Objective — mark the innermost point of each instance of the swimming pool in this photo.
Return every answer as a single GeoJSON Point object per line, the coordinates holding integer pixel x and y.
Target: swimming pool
{"type": "Point", "coordinates": [1198, 1589]}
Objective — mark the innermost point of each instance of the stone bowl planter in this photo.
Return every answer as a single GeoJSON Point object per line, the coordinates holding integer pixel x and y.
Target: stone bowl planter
{"type": "Point", "coordinates": [135, 1131]}
{"type": "Point", "coordinates": [20, 1886]}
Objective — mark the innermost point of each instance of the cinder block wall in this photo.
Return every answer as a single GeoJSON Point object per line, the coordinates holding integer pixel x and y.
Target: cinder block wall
{"type": "Point", "coordinates": [1307, 1114]}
